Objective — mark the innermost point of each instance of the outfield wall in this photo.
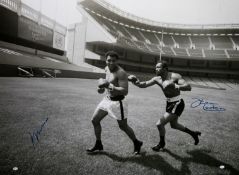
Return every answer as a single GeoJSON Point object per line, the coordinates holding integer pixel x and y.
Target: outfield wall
{"type": "Point", "coordinates": [12, 71]}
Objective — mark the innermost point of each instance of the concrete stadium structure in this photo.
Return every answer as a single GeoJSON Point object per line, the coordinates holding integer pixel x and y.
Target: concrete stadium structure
{"type": "Point", "coordinates": [33, 45]}
{"type": "Point", "coordinates": [192, 50]}
{"type": "Point", "coordinates": [25, 26]}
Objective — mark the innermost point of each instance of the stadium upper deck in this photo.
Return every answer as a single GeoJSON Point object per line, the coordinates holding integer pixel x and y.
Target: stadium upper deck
{"type": "Point", "coordinates": [204, 50]}
{"type": "Point", "coordinates": [177, 40]}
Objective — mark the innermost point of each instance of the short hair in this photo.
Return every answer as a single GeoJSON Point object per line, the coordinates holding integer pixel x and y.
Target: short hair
{"type": "Point", "coordinates": [112, 54]}
{"type": "Point", "coordinates": [164, 64]}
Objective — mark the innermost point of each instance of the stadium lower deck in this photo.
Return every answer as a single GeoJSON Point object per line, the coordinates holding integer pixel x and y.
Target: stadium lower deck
{"type": "Point", "coordinates": [60, 110]}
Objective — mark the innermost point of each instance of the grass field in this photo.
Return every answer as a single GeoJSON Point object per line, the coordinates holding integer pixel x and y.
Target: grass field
{"type": "Point", "coordinates": [60, 110]}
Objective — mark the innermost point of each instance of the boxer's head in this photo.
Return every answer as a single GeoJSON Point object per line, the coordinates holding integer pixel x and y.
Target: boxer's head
{"type": "Point", "coordinates": [111, 60]}
{"type": "Point", "coordinates": [161, 68]}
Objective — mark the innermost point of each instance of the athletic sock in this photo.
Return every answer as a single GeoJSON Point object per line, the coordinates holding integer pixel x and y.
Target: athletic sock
{"type": "Point", "coordinates": [162, 140]}
{"type": "Point", "coordinates": [194, 134]}
{"type": "Point", "coordinates": [135, 141]}
{"type": "Point", "coordinates": [188, 131]}
{"type": "Point", "coordinates": [98, 142]}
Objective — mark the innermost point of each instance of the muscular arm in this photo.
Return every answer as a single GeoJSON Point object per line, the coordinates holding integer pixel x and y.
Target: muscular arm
{"type": "Point", "coordinates": [145, 84]}
{"type": "Point", "coordinates": [182, 84]}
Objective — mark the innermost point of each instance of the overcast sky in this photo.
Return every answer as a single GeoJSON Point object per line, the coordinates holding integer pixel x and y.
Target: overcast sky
{"type": "Point", "coordinates": [170, 11]}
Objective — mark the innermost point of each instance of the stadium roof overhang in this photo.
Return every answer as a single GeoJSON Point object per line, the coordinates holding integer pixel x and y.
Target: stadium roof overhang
{"type": "Point", "coordinates": [100, 7]}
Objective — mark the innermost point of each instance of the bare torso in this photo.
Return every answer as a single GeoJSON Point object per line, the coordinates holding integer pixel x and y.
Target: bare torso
{"type": "Point", "coordinates": [169, 92]}
{"type": "Point", "coordinates": [116, 79]}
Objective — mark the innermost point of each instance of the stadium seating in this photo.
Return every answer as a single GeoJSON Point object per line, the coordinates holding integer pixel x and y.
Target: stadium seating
{"type": "Point", "coordinates": [126, 41]}
{"type": "Point", "coordinates": [195, 52]}
{"type": "Point", "coordinates": [222, 42]}
{"type": "Point", "coordinates": [141, 45]}
{"type": "Point", "coordinates": [183, 41]}
{"type": "Point", "coordinates": [201, 51]}
{"type": "Point", "coordinates": [135, 33]}
{"type": "Point", "coordinates": [168, 51]}
{"type": "Point", "coordinates": [106, 24]}
{"type": "Point", "coordinates": [180, 52]}
{"type": "Point", "coordinates": [122, 30]}
{"type": "Point", "coordinates": [200, 42]}
{"type": "Point", "coordinates": [235, 39]}
{"type": "Point", "coordinates": [151, 37]}
{"type": "Point", "coordinates": [154, 48]}
{"type": "Point", "coordinates": [233, 53]}
{"type": "Point", "coordinates": [215, 54]}
{"type": "Point", "coordinates": [173, 45]}
{"type": "Point", "coordinates": [167, 40]}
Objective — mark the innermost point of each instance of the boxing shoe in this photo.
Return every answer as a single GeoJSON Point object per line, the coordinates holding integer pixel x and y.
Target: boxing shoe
{"type": "Point", "coordinates": [159, 146]}
{"type": "Point", "coordinates": [98, 147]}
{"type": "Point", "coordinates": [137, 146]}
{"type": "Point", "coordinates": [195, 137]}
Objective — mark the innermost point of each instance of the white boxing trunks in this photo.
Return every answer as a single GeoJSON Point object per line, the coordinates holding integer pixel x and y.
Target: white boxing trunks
{"type": "Point", "coordinates": [117, 107]}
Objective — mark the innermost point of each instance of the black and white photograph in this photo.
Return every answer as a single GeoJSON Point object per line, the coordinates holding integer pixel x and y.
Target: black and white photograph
{"type": "Point", "coordinates": [119, 87]}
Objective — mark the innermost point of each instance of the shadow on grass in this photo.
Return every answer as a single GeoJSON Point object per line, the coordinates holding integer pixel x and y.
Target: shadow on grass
{"type": "Point", "coordinates": [201, 157]}
{"type": "Point", "coordinates": [158, 163]}
{"type": "Point", "coordinates": [149, 161]}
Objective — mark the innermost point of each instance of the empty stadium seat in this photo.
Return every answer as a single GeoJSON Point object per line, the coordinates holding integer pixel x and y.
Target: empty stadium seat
{"type": "Point", "coordinates": [183, 41]}
{"type": "Point", "coordinates": [141, 45]}
{"type": "Point", "coordinates": [126, 42]}
{"type": "Point", "coordinates": [200, 42]}
{"type": "Point", "coordinates": [233, 53]}
{"type": "Point", "coordinates": [154, 47]}
{"type": "Point", "coordinates": [195, 52]}
{"type": "Point", "coordinates": [151, 37]}
{"type": "Point", "coordinates": [222, 42]}
{"type": "Point", "coordinates": [215, 54]}
{"type": "Point", "coordinates": [168, 51]}
{"type": "Point", "coordinates": [135, 33]}
{"type": "Point", "coordinates": [235, 39]}
{"type": "Point", "coordinates": [180, 52]}
{"type": "Point", "coordinates": [167, 40]}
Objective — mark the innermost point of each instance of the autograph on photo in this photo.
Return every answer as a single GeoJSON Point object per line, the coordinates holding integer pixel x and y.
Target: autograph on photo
{"type": "Point", "coordinates": [36, 134]}
{"type": "Point", "coordinates": [207, 106]}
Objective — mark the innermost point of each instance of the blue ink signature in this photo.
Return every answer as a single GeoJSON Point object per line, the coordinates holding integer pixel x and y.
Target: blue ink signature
{"type": "Point", "coordinates": [35, 135]}
{"type": "Point", "coordinates": [207, 106]}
